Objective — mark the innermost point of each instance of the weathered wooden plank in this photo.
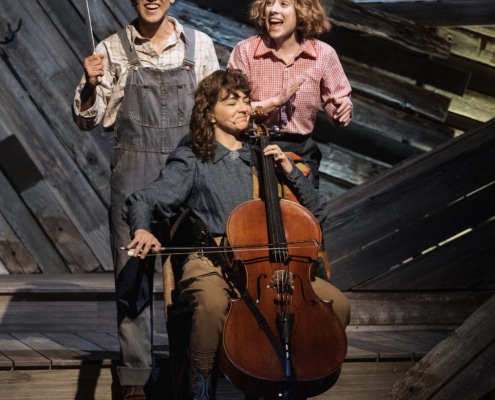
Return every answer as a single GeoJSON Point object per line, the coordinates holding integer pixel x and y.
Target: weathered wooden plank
{"type": "Point", "coordinates": [84, 348]}
{"type": "Point", "coordinates": [406, 310]}
{"type": "Point", "coordinates": [396, 259]}
{"type": "Point", "coordinates": [390, 90]}
{"type": "Point", "coordinates": [445, 362]}
{"type": "Point", "coordinates": [464, 263]}
{"type": "Point", "coordinates": [366, 380]}
{"type": "Point", "coordinates": [100, 284]}
{"type": "Point", "coordinates": [392, 58]}
{"type": "Point", "coordinates": [65, 180]}
{"type": "Point", "coordinates": [482, 75]}
{"type": "Point", "coordinates": [38, 197]}
{"type": "Point", "coordinates": [393, 123]}
{"type": "Point", "coordinates": [14, 256]}
{"type": "Point", "coordinates": [22, 222]}
{"type": "Point", "coordinates": [91, 382]}
{"type": "Point", "coordinates": [32, 317]}
{"type": "Point", "coordinates": [470, 45]}
{"type": "Point", "coordinates": [361, 19]}
{"type": "Point", "coordinates": [357, 137]}
{"type": "Point", "coordinates": [440, 12]}
{"type": "Point", "coordinates": [21, 355]}
{"type": "Point", "coordinates": [344, 166]}
{"type": "Point", "coordinates": [5, 362]}
{"type": "Point", "coordinates": [102, 339]}
{"type": "Point", "coordinates": [58, 355]}
{"type": "Point", "coordinates": [475, 381]}
{"type": "Point", "coordinates": [397, 345]}
{"type": "Point", "coordinates": [372, 22]}
{"type": "Point", "coordinates": [398, 197]}
{"type": "Point", "coordinates": [45, 65]}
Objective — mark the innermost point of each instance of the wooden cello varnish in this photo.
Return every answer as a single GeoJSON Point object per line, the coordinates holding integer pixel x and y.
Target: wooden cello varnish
{"type": "Point", "coordinates": [303, 351]}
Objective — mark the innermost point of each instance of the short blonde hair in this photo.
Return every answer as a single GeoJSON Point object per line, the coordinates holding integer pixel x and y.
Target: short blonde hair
{"type": "Point", "coordinates": [311, 17]}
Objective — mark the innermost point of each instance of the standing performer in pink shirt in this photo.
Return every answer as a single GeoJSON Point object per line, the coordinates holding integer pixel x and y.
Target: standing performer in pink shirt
{"type": "Point", "coordinates": [293, 74]}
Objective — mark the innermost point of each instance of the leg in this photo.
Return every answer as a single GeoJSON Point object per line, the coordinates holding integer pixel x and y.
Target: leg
{"type": "Point", "coordinates": [204, 289]}
{"type": "Point", "coordinates": [326, 291]}
{"type": "Point", "coordinates": [133, 290]}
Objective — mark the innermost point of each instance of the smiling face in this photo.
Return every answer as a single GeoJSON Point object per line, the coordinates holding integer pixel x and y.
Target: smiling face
{"type": "Point", "coordinates": [281, 20]}
{"type": "Point", "coordinates": [151, 12]}
{"type": "Point", "coordinates": [231, 113]}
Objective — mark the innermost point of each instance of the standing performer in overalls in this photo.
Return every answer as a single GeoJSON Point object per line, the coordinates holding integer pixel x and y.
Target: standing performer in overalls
{"type": "Point", "coordinates": [140, 82]}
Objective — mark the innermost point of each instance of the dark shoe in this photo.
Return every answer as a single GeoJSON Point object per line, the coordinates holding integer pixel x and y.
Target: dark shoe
{"type": "Point", "coordinates": [134, 393]}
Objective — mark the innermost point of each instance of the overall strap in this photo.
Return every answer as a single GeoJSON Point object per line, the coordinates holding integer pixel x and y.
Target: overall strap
{"type": "Point", "coordinates": [130, 51]}
{"type": "Point", "coordinates": [190, 40]}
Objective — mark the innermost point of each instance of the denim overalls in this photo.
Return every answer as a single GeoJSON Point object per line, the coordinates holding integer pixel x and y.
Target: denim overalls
{"type": "Point", "coordinates": [152, 120]}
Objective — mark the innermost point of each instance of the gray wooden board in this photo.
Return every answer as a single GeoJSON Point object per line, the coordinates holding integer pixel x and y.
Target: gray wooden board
{"type": "Point", "coordinates": [358, 381]}
{"type": "Point", "coordinates": [24, 225]}
{"type": "Point", "coordinates": [44, 44]}
{"type": "Point", "coordinates": [22, 356]}
{"type": "Point", "coordinates": [475, 381]}
{"type": "Point", "coordinates": [391, 90]}
{"type": "Point", "coordinates": [58, 355]}
{"type": "Point", "coordinates": [381, 53]}
{"type": "Point", "coordinates": [402, 250]}
{"type": "Point", "coordinates": [345, 166]}
{"type": "Point", "coordinates": [399, 344]}
{"type": "Point", "coordinates": [465, 263]}
{"type": "Point", "coordinates": [5, 362]}
{"type": "Point", "coordinates": [440, 368]}
{"type": "Point", "coordinates": [62, 383]}
{"type": "Point", "coordinates": [402, 310]}
{"type": "Point", "coordinates": [363, 215]}
{"type": "Point", "coordinates": [39, 45]}
{"type": "Point", "coordinates": [107, 341]}
{"type": "Point", "coordinates": [440, 13]}
{"type": "Point", "coordinates": [13, 254]}
{"type": "Point", "coordinates": [86, 349]}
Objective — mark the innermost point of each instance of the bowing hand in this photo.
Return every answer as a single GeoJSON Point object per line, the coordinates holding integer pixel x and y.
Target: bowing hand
{"type": "Point", "coordinates": [142, 243]}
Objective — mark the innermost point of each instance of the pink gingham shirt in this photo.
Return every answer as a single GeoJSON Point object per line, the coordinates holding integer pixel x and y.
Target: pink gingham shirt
{"type": "Point", "coordinates": [111, 90]}
{"type": "Point", "coordinates": [316, 61]}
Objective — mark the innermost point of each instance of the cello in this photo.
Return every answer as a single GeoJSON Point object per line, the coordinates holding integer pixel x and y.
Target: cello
{"type": "Point", "coordinates": [279, 339]}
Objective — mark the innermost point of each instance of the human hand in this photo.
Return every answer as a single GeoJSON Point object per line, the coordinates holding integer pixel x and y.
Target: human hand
{"type": "Point", "coordinates": [280, 158]}
{"type": "Point", "coordinates": [288, 91]}
{"type": "Point", "coordinates": [142, 243]}
{"type": "Point", "coordinates": [93, 68]}
{"type": "Point", "coordinates": [343, 114]}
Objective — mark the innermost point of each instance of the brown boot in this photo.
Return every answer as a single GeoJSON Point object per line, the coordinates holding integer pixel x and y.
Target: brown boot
{"type": "Point", "coordinates": [134, 393]}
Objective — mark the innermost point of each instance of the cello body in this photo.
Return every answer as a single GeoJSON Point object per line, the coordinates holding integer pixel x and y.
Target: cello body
{"type": "Point", "coordinates": [302, 353]}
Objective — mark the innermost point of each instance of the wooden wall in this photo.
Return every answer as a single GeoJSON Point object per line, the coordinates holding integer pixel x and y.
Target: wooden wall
{"type": "Point", "coordinates": [55, 178]}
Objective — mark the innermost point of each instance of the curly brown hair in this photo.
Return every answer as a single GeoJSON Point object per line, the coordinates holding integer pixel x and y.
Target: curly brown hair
{"type": "Point", "coordinates": [215, 87]}
{"type": "Point", "coordinates": [311, 17]}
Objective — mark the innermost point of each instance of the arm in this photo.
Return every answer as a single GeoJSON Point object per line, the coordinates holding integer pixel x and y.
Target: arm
{"type": "Point", "coordinates": [93, 71]}
{"type": "Point", "coordinates": [240, 59]}
{"type": "Point", "coordinates": [160, 199]}
{"type": "Point", "coordinates": [336, 91]}
{"type": "Point", "coordinates": [302, 188]}
{"type": "Point", "coordinates": [94, 90]}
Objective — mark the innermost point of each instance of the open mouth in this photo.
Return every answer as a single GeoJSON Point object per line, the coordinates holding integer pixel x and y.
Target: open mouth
{"type": "Point", "coordinates": [152, 7]}
{"type": "Point", "coordinates": [275, 22]}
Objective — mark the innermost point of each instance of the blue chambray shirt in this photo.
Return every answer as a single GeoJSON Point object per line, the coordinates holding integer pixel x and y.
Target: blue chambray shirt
{"type": "Point", "coordinates": [211, 190]}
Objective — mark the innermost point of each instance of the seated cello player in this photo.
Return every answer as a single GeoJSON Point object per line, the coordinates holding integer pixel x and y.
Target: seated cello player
{"type": "Point", "coordinates": [212, 175]}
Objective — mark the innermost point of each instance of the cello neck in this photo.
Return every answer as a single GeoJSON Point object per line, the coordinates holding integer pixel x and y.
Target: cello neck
{"type": "Point", "coordinates": [276, 231]}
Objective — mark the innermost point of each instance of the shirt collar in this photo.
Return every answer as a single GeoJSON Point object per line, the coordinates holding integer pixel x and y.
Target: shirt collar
{"type": "Point", "coordinates": [221, 152]}
{"type": "Point", "coordinates": [265, 46]}
{"type": "Point", "coordinates": [137, 38]}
